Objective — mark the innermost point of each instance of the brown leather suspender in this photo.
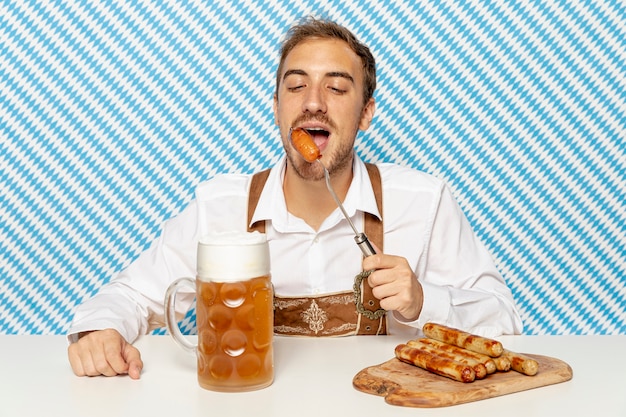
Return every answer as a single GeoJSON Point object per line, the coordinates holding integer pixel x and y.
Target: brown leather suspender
{"type": "Point", "coordinates": [256, 186]}
{"type": "Point", "coordinates": [373, 228]}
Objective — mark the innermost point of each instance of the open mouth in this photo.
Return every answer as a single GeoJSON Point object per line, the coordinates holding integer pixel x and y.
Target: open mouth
{"type": "Point", "coordinates": [320, 136]}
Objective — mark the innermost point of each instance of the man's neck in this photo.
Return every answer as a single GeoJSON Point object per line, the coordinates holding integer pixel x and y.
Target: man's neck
{"type": "Point", "coordinates": [310, 200]}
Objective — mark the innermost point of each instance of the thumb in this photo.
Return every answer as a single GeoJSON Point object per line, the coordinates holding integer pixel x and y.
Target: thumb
{"type": "Point", "coordinates": [371, 262]}
{"type": "Point", "coordinates": [133, 359]}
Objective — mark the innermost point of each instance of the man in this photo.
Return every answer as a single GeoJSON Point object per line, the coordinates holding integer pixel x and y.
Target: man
{"type": "Point", "coordinates": [428, 267]}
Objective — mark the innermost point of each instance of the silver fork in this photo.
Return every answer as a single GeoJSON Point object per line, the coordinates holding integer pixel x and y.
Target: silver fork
{"type": "Point", "coordinates": [359, 237]}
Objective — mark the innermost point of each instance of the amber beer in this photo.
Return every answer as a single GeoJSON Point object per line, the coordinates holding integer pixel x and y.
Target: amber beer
{"type": "Point", "coordinates": [234, 312]}
{"type": "Point", "coordinates": [234, 334]}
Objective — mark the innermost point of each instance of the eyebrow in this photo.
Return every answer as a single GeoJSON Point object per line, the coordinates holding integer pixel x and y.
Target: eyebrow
{"type": "Point", "coordinates": [332, 74]}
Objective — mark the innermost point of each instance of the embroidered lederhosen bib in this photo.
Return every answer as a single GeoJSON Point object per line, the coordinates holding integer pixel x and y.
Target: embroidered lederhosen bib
{"type": "Point", "coordinates": [329, 314]}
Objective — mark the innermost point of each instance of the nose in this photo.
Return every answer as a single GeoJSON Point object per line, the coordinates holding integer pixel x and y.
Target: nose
{"type": "Point", "coordinates": [314, 101]}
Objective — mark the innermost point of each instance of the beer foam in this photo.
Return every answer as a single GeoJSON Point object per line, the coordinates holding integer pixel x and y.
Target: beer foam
{"type": "Point", "coordinates": [233, 256]}
{"type": "Point", "coordinates": [233, 237]}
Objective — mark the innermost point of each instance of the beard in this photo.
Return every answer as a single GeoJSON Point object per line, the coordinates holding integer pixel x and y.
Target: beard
{"type": "Point", "coordinates": [337, 161]}
{"type": "Point", "coordinates": [340, 160]}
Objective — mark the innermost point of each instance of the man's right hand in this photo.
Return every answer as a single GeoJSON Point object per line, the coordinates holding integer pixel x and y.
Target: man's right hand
{"type": "Point", "coordinates": [104, 352]}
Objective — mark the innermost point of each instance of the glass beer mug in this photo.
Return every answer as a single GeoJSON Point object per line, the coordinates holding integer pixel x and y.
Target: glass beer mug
{"type": "Point", "coordinates": [234, 312]}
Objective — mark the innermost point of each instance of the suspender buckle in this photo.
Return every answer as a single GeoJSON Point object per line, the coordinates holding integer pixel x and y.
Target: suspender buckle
{"type": "Point", "coordinates": [372, 315]}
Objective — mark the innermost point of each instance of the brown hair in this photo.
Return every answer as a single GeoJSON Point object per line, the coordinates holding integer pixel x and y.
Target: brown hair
{"type": "Point", "coordinates": [317, 28]}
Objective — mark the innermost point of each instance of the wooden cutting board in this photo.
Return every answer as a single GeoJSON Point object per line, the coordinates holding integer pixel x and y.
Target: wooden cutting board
{"type": "Point", "coordinates": [410, 386]}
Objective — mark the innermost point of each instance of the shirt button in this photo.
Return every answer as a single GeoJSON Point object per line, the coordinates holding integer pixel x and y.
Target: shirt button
{"type": "Point", "coordinates": [316, 240]}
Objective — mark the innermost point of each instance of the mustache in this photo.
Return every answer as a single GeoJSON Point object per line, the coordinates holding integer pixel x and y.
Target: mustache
{"type": "Point", "coordinates": [309, 117]}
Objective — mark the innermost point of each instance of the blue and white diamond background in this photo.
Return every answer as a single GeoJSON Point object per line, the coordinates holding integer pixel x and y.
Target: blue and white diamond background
{"type": "Point", "coordinates": [111, 113]}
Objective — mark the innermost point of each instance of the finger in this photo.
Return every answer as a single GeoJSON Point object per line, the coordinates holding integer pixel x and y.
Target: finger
{"type": "Point", "coordinates": [86, 359]}
{"type": "Point", "coordinates": [133, 358]}
{"type": "Point", "coordinates": [75, 362]}
{"type": "Point", "coordinates": [377, 277]}
{"type": "Point", "coordinates": [407, 303]}
{"type": "Point", "coordinates": [102, 365]}
{"type": "Point", "coordinates": [381, 261]}
{"type": "Point", "coordinates": [388, 275]}
{"type": "Point", "coordinates": [134, 371]}
{"type": "Point", "coordinates": [380, 289]}
{"type": "Point", "coordinates": [114, 356]}
{"type": "Point", "coordinates": [92, 365]}
{"type": "Point", "coordinates": [97, 354]}
{"type": "Point", "coordinates": [393, 303]}
{"type": "Point", "coordinates": [402, 287]}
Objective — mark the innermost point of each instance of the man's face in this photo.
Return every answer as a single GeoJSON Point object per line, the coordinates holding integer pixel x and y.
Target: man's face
{"type": "Point", "coordinates": [321, 90]}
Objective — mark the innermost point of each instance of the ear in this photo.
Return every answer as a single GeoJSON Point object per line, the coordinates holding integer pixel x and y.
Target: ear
{"type": "Point", "coordinates": [275, 108]}
{"type": "Point", "coordinates": [367, 114]}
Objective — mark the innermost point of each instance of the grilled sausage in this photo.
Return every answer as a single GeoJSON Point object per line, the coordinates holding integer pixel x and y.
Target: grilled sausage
{"type": "Point", "coordinates": [521, 363]}
{"type": "Point", "coordinates": [304, 144]}
{"type": "Point", "coordinates": [463, 339]}
{"type": "Point", "coordinates": [487, 361]}
{"type": "Point", "coordinates": [435, 363]}
{"type": "Point", "coordinates": [503, 364]}
{"type": "Point", "coordinates": [479, 369]}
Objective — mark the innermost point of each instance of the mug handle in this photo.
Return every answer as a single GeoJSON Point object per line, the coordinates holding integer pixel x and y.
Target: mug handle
{"type": "Point", "coordinates": [170, 313]}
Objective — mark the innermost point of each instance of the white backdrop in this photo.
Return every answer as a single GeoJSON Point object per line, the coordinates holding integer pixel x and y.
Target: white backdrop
{"type": "Point", "coordinates": [111, 112]}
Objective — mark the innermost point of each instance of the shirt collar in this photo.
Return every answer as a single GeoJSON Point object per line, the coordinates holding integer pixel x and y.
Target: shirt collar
{"type": "Point", "coordinates": [272, 206]}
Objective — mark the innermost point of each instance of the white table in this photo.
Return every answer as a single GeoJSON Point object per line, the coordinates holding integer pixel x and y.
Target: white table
{"type": "Point", "coordinates": [313, 378]}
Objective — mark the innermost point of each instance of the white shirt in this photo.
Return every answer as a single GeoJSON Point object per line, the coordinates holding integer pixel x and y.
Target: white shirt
{"type": "Point", "coordinates": [422, 222]}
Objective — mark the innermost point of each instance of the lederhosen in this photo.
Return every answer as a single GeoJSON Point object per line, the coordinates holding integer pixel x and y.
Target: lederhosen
{"type": "Point", "coordinates": [331, 314]}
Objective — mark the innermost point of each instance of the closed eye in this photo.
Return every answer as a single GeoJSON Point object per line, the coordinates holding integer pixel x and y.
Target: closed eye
{"type": "Point", "coordinates": [295, 88]}
{"type": "Point", "coordinates": [338, 90]}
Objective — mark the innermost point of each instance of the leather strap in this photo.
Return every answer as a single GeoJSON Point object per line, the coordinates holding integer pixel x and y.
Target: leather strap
{"type": "Point", "coordinates": [373, 228]}
{"type": "Point", "coordinates": [374, 231]}
{"type": "Point", "coordinates": [256, 186]}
